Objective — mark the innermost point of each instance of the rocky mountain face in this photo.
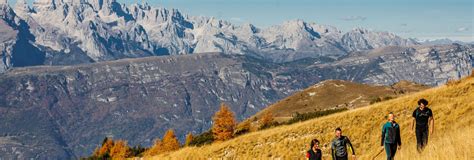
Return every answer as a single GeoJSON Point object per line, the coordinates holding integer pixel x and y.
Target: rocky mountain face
{"type": "Point", "coordinates": [65, 32]}
{"type": "Point", "coordinates": [15, 38]}
{"type": "Point", "coordinates": [64, 112]}
{"type": "Point", "coordinates": [430, 65]}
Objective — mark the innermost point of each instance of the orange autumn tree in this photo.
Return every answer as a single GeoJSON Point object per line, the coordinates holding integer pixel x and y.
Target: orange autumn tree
{"type": "Point", "coordinates": [156, 149]}
{"type": "Point", "coordinates": [120, 150]}
{"type": "Point", "coordinates": [224, 123]}
{"type": "Point", "coordinates": [170, 142]}
{"type": "Point", "coordinates": [189, 139]}
{"type": "Point", "coordinates": [266, 120]}
{"type": "Point", "coordinates": [107, 144]}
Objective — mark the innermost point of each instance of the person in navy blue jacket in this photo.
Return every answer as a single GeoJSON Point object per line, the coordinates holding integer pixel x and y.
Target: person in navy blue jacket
{"type": "Point", "coordinates": [391, 137]}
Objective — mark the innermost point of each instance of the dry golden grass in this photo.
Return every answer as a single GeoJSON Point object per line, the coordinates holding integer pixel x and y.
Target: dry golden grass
{"type": "Point", "coordinates": [453, 144]}
{"type": "Point", "coordinates": [332, 94]}
{"type": "Point", "coordinates": [453, 111]}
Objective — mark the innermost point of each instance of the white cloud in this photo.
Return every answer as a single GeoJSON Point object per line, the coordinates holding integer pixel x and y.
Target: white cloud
{"type": "Point", "coordinates": [406, 31]}
{"type": "Point", "coordinates": [236, 19]}
{"type": "Point", "coordinates": [462, 29]}
{"type": "Point", "coordinates": [463, 38]}
{"type": "Point", "coordinates": [354, 18]}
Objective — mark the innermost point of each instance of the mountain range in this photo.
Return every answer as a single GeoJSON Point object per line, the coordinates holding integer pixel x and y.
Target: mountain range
{"type": "Point", "coordinates": [65, 32]}
{"type": "Point", "coordinates": [76, 71]}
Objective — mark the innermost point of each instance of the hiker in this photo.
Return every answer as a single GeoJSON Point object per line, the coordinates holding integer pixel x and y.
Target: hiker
{"type": "Point", "coordinates": [391, 137]}
{"type": "Point", "coordinates": [339, 146]}
{"type": "Point", "coordinates": [314, 152]}
{"type": "Point", "coordinates": [423, 118]}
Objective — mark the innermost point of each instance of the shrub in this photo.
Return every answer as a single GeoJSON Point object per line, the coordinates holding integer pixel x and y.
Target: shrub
{"type": "Point", "coordinates": [120, 150]}
{"type": "Point", "coordinates": [189, 139]}
{"type": "Point", "coordinates": [453, 82]}
{"type": "Point", "coordinates": [298, 117]}
{"type": "Point", "coordinates": [202, 139]}
{"type": "Point", "coordinates": [266, 120]}
{"type": "Point", "coordinates": [242, 128]}
{"type": "Point", "coordinates": [375, 100]}
{"type": "Point", "coordinates": [156, 149]}
{"type": "Point", "coordinates": [137, 151]}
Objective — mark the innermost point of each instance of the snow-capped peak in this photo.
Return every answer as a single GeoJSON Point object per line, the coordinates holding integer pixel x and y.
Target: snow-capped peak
{"type": "Point", "coordinates": [21, 7]}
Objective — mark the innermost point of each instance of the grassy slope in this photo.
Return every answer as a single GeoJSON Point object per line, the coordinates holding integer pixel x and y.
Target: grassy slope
{"type": "Point", "coordinates": [453, 139]}
{"type": "Point", "coordinates": [335, 94]}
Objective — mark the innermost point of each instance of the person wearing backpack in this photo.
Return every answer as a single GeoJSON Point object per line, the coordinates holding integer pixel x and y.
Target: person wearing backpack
{"type": "Point", "coordinates": [339, 146]}
{"type": "Point", "coordinates": [424, 121]}
{"type": "Point", "coordinates": [314, 152]}
{"type": "Point", "coordinates": [391, 137]}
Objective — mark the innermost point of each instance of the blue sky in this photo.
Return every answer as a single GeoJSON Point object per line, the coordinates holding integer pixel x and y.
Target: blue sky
{"type": "Point", "coordinates": [423, 19]}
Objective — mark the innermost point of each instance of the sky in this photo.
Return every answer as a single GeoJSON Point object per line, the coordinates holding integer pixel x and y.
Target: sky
{"type": "Point", "coordinates": [422, 19]}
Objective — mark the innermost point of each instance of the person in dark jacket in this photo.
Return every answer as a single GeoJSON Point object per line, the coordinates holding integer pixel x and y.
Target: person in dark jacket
{"type": "Point", "coordinates": [339, 146]}
{"type": "Point", "coordinates": [423, 118]}
{"type": "Point", "coordinates": [391, 137]}
{"type": "Point", "coordinates": [314, 152]}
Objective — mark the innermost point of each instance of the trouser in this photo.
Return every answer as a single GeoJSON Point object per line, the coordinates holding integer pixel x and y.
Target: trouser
{"type": "Point", "coordinates": [421, 138]}
{"type": "Point", "coordinates": [341, 158]}
{"type": "Point", "coordinates": [390, 149]}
